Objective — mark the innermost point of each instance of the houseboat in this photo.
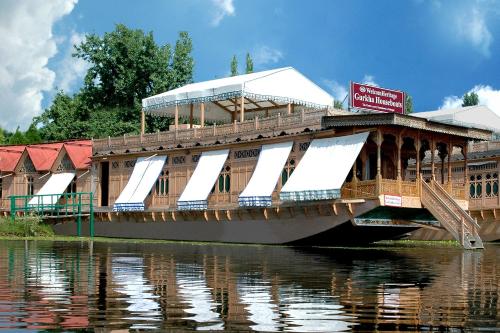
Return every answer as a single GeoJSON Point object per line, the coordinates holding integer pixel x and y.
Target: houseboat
{"type": "Point", "coordinates": [42, 169]}
{"type": "Point", "coordinates": [264, 158]}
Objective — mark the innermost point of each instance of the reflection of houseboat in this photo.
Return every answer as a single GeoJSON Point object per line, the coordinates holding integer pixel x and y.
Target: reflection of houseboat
{"type": "Point", "coordinates": [281, 167]}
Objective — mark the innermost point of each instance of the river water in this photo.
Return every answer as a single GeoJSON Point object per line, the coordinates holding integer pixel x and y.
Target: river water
{"type": "Point", "coordinates": [183, 287]}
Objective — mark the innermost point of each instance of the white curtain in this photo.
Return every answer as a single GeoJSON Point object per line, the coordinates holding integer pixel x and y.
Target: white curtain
{"type": "Point", "coordinates": [323, 168]}
{"type": "Point", "coordinates": [144, 175]}
{"type": "Point", "coordinates": [56, 185]}
{"type": "Point", "coordinates": [271, 161]}
{"type": "Point", "coordinates": [194, 196]}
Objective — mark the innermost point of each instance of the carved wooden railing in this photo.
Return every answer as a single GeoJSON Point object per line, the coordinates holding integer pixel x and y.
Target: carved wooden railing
{"type": "Point", "coordinates": [275, 124]}
{"type": "Point", "coordinates": [367, 189]}
{"type": "Point", "coordinates": [451, 216]}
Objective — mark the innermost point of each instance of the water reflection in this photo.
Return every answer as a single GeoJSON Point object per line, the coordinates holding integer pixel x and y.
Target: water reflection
{"type": "Point", "coordinates": [45, 285]}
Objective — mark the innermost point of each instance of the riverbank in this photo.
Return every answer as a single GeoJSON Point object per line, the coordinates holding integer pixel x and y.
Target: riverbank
{"type": "Point", "coordinates": [29, 226]}
{"type": "Point", "coordinates": [379, 245]}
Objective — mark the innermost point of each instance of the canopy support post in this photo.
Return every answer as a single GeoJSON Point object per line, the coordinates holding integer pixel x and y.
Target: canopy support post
{"type": "Point", "coordinates": [176, 118]}
{"type": "Point", "coordinates": [242, 109]}
{"type": "Point", "coordinates": [290, 108]}
{"type": "Point", "coordinates": [143, 122]}
{"type": "Point", "coordinates": [191, 109]}
{"type": "Point", "coordinates": [450, 151]}
{"type": "Point", "coordinates": [202, 116]}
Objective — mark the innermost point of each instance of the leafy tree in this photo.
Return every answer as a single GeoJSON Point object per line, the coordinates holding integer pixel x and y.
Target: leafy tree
{"type": "Point", "coordinates": [249, 68]}
{"type": "Point", "coordinates": [66, 118]}
{"type": "Point", "coordinates": [234, 66]}
{"type": "Point", "coordinates": [183, 62]}
{"type": "Point", "coordinates": [408, 104]}
{"type": "Point", "coordinates": [32, 135]}
{"type": "Point", "coordinates": [17, 138]}
{"type": "Point", "coordinates": [470, 99]}
{"type": "Point", "coordinates": [338, 104]}
{"type": "Point", "coordinates": [126, 66]}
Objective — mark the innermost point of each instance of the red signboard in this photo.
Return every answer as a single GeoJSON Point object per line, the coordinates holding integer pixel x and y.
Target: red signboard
{"type": "Point", "coordinates": [377, 99]}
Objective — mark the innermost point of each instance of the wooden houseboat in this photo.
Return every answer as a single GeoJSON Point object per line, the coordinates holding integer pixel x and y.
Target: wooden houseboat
{"type": "Point", "coordinates": [276, 165]}
{"type": "Point", "coordinates": [46, 168]}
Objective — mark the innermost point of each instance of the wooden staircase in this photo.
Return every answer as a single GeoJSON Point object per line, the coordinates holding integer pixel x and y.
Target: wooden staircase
{"type": "Point", "coordinates": [451, 216]}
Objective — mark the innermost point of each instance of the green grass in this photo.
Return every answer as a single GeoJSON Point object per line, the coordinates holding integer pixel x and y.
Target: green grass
{"type": "Point", "coordinates": [29, 226]}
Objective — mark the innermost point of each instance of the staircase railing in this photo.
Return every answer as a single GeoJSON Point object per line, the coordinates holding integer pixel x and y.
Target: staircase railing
{"type": "Point", "coordinates": [451, 216]}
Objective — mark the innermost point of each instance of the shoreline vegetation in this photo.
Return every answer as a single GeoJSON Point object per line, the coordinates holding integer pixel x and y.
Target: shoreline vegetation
{"type": "Point", "coordinates": [33, 229]}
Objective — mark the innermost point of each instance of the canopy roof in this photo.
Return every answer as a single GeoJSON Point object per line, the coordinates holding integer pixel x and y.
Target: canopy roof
{"type": "Point", "coordinates": [262, 91]}
{"type": "Point", "coordinates": [478, 116]}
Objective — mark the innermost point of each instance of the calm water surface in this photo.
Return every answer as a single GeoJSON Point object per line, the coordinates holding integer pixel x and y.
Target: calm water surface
{"type": "Point", "coordinates": [182, 287]}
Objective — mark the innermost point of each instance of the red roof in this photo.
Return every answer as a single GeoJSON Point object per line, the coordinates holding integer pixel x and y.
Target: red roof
{"type": "Point", "coordinates": [79, 153]}
{"type": "Point", "coordinates": [44, 155]}
{"type": "Point", "coordinates": [9, 157]}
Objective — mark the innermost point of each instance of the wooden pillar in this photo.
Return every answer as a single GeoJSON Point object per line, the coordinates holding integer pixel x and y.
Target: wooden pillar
{"type": "Point", "coordinates": [450, 151]}
{"type": "Point", "coordinates": [417, 167]}
{"type": "Point", "coordinates": [191, 110]}
{"type": "Point", "coordinates": [242, 109]}
{"type": "Point", "coordinates": [202, 114]}
{"type": "Point", "coordinates": [176, 117]}
{"type": "Point", "coordinates": [289, 108]}
{"type": "Point", "coordinates": [379, 154]}
{"type": "Point", "coordinates": [433, 153]}
{"type": "Point", "coordinates": [399, 144]}
{"type": "Point", "coordinates": [466, 169]}
{"type": "Point", "coordinates": [143, 122]}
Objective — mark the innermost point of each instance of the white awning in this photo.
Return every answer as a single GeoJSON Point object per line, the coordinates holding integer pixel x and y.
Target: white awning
{"type": "Point", "coordinates": [271, 161]}
{"type": "Point", "coordinates": [323, 168]}
{"type": "Point", "coordinates": [52, 190]}
{"type": "Point", "coordinates": [194, 196]}
{"type": "Point", "coordinates": [266, 89]}
{"type": "Point", "coordinates": [144, 175]}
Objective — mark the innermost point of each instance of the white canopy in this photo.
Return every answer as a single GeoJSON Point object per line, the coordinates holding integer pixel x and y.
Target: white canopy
{"type": "Point", "coordinates": [271, 161]}
{"type": "Point", "coordinates": [200, 184]}
{"type": "Point", "coordinates": [323, 168]}
{"type": "Point", "coordinates": [56, 185]}
{"type": "Point", "coordinates": [267, 89]}
{"type": "Point", "coordinates": [478, 116]}
{"type": "Point", "coordinates": [144, 175]}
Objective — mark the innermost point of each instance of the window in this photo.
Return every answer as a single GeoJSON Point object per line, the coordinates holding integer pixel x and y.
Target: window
{"type": "Point", "coordinates": [162, 184]}
{"type": "Point", "coordinates": [72, 186]}
{"type": "Point", "coordinates": [287, 171]}
{"type": "Point", "coordinates": [30, 185]}
{"type": "Point", "coordinates": [476, 187]}
{"type": "Point", "coordinates": [491, 186]}
{"type": "Point", "coordinates": [224, 181]}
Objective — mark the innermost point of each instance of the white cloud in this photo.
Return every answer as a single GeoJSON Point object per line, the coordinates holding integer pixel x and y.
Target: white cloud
{"type": "Point", "coordinates": [487, 96]}
{"type": "Point", "coordinates": [71, 69]}
{"type": "Point", "coordinates": [27, 44]}
{"type": "Point", "coordinates": [472, 27]}
{"type": "Point", "coordinates": [338, 90]}
{"type": "Point", "coordinates": [223, 8]}
{"type": "Point", "coordinates": [265, 55]}
{"type": "Point", "coordinates": [369, 80]}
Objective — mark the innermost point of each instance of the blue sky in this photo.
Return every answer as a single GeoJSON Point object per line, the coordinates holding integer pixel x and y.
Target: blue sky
{"type": "Point", "coordinates": [435, 50]}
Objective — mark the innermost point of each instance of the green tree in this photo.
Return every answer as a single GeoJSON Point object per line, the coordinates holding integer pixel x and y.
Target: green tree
{"type": "Point", "coordinates": [17, 138]}
{"type": "Point", "coordinates": [125, 66]}
{"type": "Point", "coordinates": [183, 62]}
{"type": "Point", "coordinates": [234, 66]}
{"type": "Point", "coordinates": [249, 67]}
{"type": "Point", "coordinates": [470, 99]}
{"type": "Point", "coordinates": [408, 104]}
{"type": "Point", "coordinates": [338, 104]}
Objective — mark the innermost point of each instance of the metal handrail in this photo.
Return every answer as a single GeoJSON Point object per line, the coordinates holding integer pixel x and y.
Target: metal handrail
{"type": "Point", "coordinates": [75, 204]}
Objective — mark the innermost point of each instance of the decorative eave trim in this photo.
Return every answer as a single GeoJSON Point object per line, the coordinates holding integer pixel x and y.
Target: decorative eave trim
{"type": "Point", "coordinates": [159, 103]}
{"type": "Point", "coordinates": [406, 121]}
